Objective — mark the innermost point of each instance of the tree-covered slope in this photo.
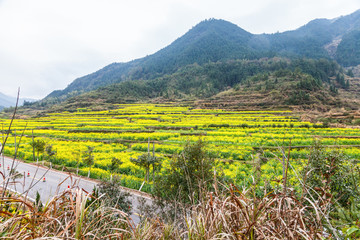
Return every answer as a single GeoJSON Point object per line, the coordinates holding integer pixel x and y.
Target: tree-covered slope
{"type": "Point", "coordinates": [105, 76]}
{"type": "Point", "coordinates": [348, 51]}
{"type": "Point", "coordinates": [271, 83]}
{"type": "Point", "coordinates": [311, 39]}
{"type": "Point", "coordinates": [213, 41]}
{"type": "Point", "coordinates": [209, 41]}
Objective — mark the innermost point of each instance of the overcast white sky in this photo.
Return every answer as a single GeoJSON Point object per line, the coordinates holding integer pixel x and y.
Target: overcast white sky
{"type": "Point", "coordinates": [46, 44]}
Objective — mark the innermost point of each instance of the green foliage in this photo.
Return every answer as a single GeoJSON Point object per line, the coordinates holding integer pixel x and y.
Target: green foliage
{"type": "Point", "coordinates": [321, 69]}
{"type": "Point", "coordinates": [76, 153]}
{"type": "Point", "coordinates": [349, 217]}
{"type": "Point", "coordinates": [189, 174]}
{"type": "Point", "coordinates": [115, 164]}
{"type": "Point", "coordinates": [341, 80]}
{"type": "Point", "coordinates": [115, 197]}
{"type": "Point", "coordinates": [347, 84]}
{"type": "Point", "coordinates": [348, 51]}
{"type": "Point", "coordinates": [38, 202]}
{"type": "Point", "coordinates": [333, 89]}
{"type": "Point", "coordinates": [350, 73]}
{"type": "Point", "coordinates": [50, 152]}
{"type": "Point", "coordinates": [332, 174]}
{"type": "Point", "coordinates": [298, 98]}
{"type": "Point", "coordinates": [352, 232]}
{"type": "Point", "coordinates": [309, 83]}
{"type": "Point", "coordinates": [203, 81]}
{"type": "Point", "coordinates": [38, 146]}
{"type": "Point", "coordinates": [88, 158]}
{"type": "Point", "coordinates": [82, 110]}
{"type": "Point", "coordinates": [143, 161]}
{"type": "Point", "coordinates": [282, 72]}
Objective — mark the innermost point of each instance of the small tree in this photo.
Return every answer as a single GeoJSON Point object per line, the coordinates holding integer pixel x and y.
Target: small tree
{"type": "Point", "coordinates": [350, 73]}
{"type": "Point", "coordinates": [332, 174]}
{"type": "Point", "coordinates": [115, 164]}
{"type": "Point", "coordinates": [190, 173]}
{"type": "Point", "coordinates": [143, 161]}
{"type": "Point", "coordinates": [50, 152]}
{"type": "Point", "coordinates": [154, 161]}
{"type": "Point", "coordinates": [88, 158]}
{"type": "Point", "coordinates": [146, 160]}
{"type": "Point", "coordinates": [114, 197]}
{"type": "Point", "coordinates": [347, 84]}
{"type": "Point", "coordinates": [77, 155]}
{"type": "Point", "coordinates": [38, 146]}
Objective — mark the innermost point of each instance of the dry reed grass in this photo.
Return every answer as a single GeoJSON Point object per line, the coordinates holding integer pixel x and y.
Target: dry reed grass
{"type": "Point", "coordinates": [67, 216]}
{"type": "Point", "coordinates": [233, 214]}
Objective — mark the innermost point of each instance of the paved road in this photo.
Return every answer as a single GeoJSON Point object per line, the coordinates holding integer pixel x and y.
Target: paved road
{"type": "Point", "coordinates": [55, 182]}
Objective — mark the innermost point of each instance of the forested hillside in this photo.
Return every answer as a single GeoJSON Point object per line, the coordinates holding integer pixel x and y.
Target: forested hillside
{"type": "Point", "coordinates": [348, 51]}
{"type": "Point", "coordinates": [215, 55]}
{"type": "Point", "coordinates": [275, 82]}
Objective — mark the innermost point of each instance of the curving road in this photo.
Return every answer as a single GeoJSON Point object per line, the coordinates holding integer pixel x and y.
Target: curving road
{"type": "Point", "coordinates": [31, 180]}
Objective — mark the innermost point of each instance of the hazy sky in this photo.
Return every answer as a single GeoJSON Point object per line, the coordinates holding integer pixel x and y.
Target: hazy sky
{"type": "Point", "coordinates": [46, 44]}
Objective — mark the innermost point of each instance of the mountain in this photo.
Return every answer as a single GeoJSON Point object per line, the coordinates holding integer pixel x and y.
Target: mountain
{"type": "Point", "coordinates": [237, 84]}
{"type": "Point", "coordinates": [220, 41]}
{"type": "Point", "coordinates": [209, 41]}
{"type": "Point", "coordinates": [348, 50]}
{"type": "Point", "coordinates": [8, 101]}
{"type": "Point", "coordinates": [315, 38]}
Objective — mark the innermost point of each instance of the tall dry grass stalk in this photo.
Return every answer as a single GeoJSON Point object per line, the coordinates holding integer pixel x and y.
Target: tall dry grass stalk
{"type": "Point", "coordinates": [66, 216]}
{"type": "Point", "coordinates": [239, 216]}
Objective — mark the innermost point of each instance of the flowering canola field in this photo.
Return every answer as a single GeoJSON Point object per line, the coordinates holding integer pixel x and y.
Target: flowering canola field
{"type": "Point", "coordinates": [234, 138]}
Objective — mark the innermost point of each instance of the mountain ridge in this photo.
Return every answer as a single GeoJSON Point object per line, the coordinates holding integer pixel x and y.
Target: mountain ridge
{"type": "Point", "coordinates": [9, 101]}
{"type": "Point", "coordinates": [239, 84]}
{"type": "Point", "coordinates": [216, 40]}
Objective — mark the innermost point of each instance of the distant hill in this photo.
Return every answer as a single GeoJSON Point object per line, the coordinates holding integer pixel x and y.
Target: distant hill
{"type": "Point", "coordinates": [213, 41]}
{"type": "Point", "coordinates": [348, 51]}
{"type": "Point", "coordinates": [6, 101]}
{"type": "Point", "coordinates": [313, 39]}
{"type": "Point", "coordinates": [9, 101]}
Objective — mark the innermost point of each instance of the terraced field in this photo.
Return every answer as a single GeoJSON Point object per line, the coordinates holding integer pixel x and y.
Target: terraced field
{"type": "Point", "coordinates": [238, 140]}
